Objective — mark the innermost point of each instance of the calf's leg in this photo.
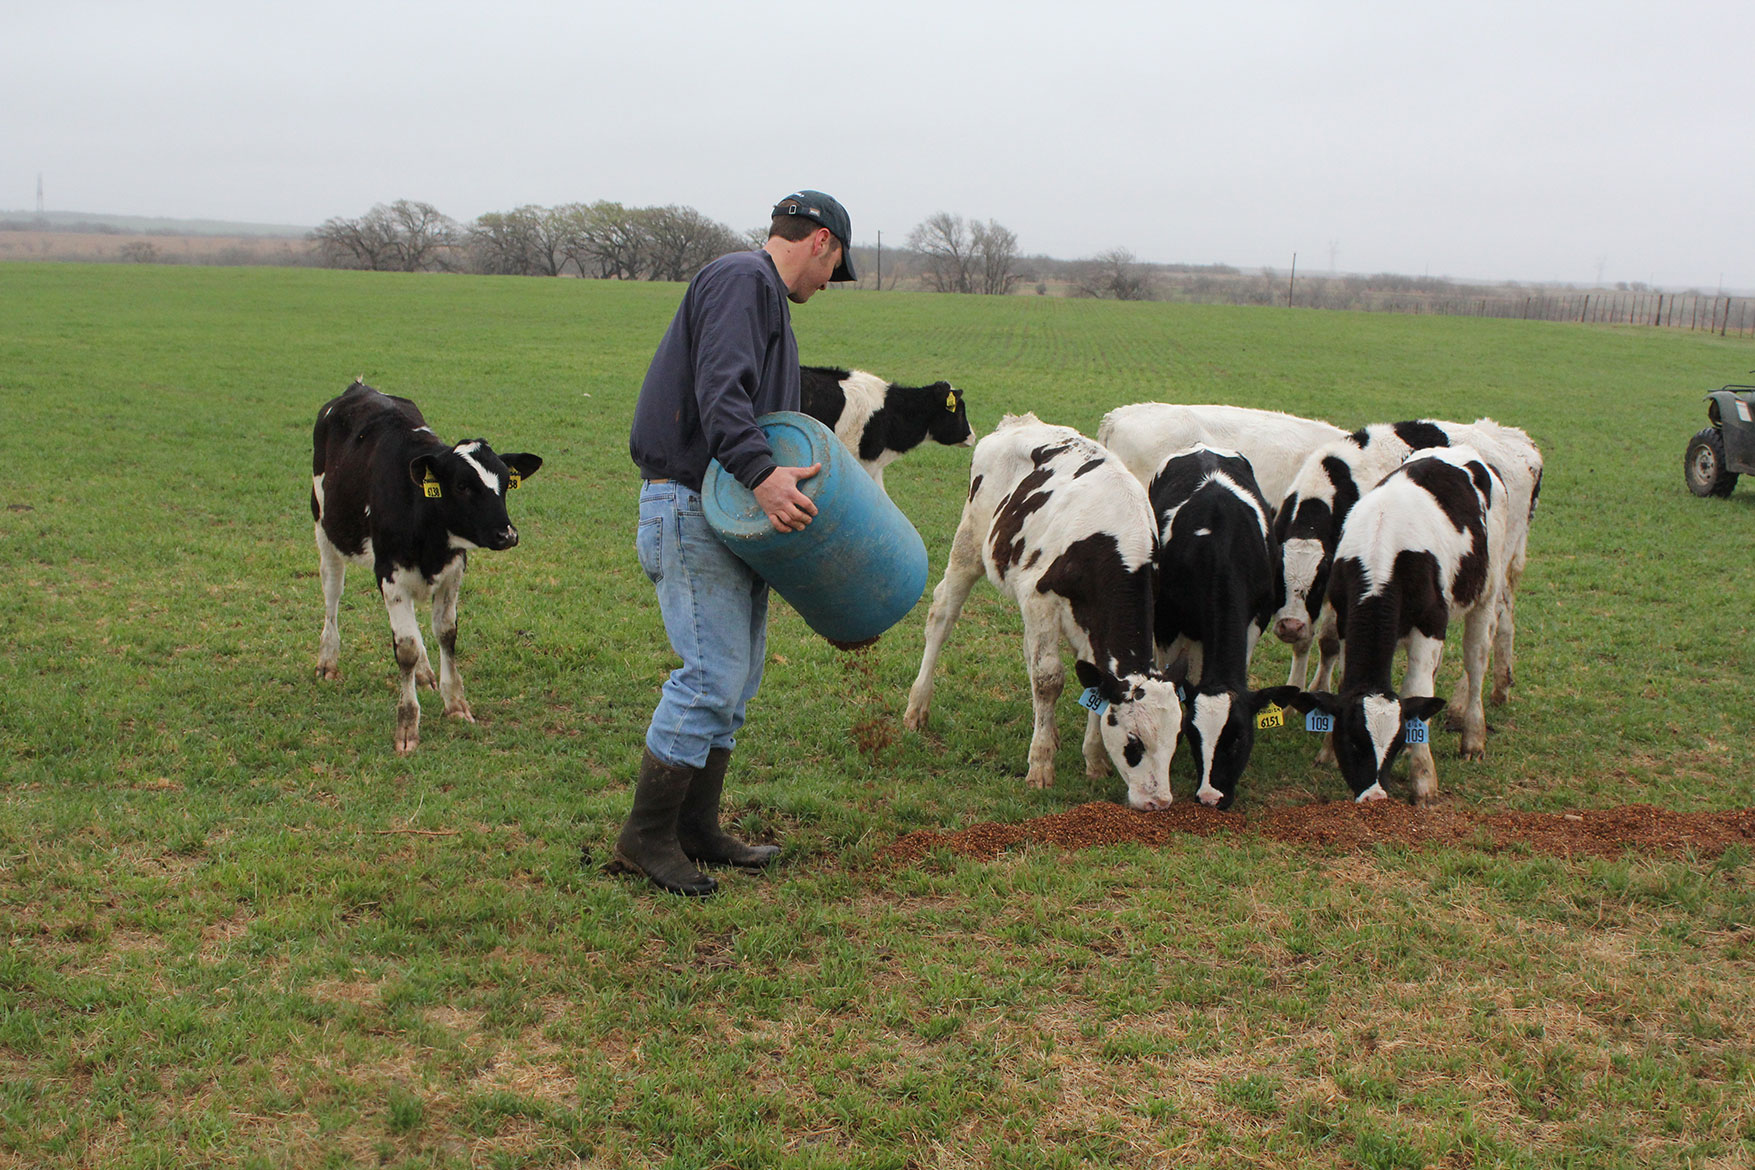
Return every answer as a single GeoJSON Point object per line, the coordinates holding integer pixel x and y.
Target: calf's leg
{"type": "Point", "coordinates": [332, 568]}
{"type": "Point", "coordinates": [1424, 655]}
{"type": "Point", "coordinates": [445, 592]}
{"type": "Point", "coordinates": [406, 640]}
{"type": "Point", "coordinates": [961, 573]}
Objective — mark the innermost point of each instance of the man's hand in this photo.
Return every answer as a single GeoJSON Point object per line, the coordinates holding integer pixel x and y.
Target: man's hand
{"type": "Point", "coordinates": [787, 508]}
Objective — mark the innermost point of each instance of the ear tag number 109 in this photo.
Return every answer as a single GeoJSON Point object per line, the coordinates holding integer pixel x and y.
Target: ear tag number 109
{"type": "Point", "coordinates": [1093, 702]}
{"type": "Point", "coordinates": [1414, 731]}
{"type": "Point", "coordinates": [1320, 722]}
{"type": "Point", "coordinates": [1271, 716]}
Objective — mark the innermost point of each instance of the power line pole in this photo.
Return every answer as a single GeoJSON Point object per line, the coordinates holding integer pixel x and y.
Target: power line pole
{"type": "Point", "coordinates": [39, 194]}
{"type": "Point", "coordinates": [1292, 283]}
{"type": "Point", "coordinates": [880, 263]}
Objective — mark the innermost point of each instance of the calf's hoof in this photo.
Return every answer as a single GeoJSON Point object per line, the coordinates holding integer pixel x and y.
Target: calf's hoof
{"type": "Point", "coordinates": [459, 710]}
{"type": "Point", "coordinates": [328, 672]}
{"type": "Point", "coordinates": [915, 718]}
{"type": "Point", "coordinates": [1040, 778]}
{"type": "Point", "coordinates": [424, 677]}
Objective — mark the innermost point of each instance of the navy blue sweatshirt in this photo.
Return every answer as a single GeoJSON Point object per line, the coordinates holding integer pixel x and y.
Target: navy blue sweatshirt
{"type": "Point", "coordinates": [728, 356]}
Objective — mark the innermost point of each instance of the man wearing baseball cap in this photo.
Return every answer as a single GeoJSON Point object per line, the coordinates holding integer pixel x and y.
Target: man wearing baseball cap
{"type": "Point", "coordinates": [728, 356]}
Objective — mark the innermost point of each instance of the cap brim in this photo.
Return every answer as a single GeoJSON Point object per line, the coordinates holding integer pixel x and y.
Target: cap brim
{"type": "Point", "coordinates": [844, 270]}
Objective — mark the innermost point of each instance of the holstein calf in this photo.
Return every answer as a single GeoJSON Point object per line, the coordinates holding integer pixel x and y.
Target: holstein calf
{"type": "Point", "coordinates": [1145, 434]}
{"type": "Point", "coordinates": [387, 492]}
{"type": "Point", "coordinates": [1060, 527]}
{"type": "Point", "coordinates": [1311, 516]}
{"type": "Point", "coordinates": [1215, 590]}
{"type": "Point", "coordinates": [880, 421]}
{"type": "Point", "coordinates": [1425, 546]}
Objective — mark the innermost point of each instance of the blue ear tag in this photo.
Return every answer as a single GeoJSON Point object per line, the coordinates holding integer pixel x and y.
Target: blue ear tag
{"type": "Point", "coordinates": [1414, 731]}
{"type": "Point", "coordinates": [1320, 722]}
{"type": "Point", "coordinates": [1271, 716]}
{"type": "Point", "coordinates": [1092, 701]}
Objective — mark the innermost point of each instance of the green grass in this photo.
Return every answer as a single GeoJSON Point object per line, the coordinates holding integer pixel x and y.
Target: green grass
{"type": "Point", "coordinates": [240, 931]}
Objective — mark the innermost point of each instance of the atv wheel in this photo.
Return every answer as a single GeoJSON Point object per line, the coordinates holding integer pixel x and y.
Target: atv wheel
{"type": "Point", "coordinates": [1704, 465]}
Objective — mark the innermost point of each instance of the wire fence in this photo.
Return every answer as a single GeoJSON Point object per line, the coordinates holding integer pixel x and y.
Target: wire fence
{"type": "Point", "coordinates": [1731, 316]}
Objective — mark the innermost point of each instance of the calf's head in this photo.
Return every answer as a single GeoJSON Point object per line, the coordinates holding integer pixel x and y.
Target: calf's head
{"type": "Point", "coordinates": [1369, 732]}
{"type": "Point", "coordinates": [1138, 723]}
{"type": "Point", "coordinates": [466, 485]}
{"type": "Point", "coordinates": [1219, 724]}
{"type": "Point", "coordinates": [950, 426]}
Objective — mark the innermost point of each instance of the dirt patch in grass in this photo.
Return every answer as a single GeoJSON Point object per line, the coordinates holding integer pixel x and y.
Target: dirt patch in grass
{"type": "Point", "coordinates": [1343, 825]}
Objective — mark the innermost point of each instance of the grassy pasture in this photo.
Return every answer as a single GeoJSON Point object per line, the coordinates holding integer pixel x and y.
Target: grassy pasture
{"type": "Point", "coordinates": [241, 932]}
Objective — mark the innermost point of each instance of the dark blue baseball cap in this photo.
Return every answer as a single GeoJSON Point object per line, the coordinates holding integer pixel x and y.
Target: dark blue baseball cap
{"type": "Point", "coordinates": [826, 211]}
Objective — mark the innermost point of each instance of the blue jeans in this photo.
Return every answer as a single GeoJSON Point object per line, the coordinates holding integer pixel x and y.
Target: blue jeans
{"type": "Point", "coordinates": [716, 615]}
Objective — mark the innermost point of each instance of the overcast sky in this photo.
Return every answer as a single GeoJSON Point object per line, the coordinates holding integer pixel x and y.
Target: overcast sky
{"type": "Point", "coordinates": [1523, 140]}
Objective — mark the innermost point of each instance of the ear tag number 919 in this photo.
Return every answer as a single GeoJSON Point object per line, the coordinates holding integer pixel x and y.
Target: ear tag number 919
{"type": "Point", "coordinates": [1271, 716]}
{"type": "Point", "coordinates": [1093, 702]}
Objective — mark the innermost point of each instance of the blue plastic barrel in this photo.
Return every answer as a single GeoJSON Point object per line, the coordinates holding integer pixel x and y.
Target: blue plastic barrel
{"type": "Point", "coordinates": [857, 568]}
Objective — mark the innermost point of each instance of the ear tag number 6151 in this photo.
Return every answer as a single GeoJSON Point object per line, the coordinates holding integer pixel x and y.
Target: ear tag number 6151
{"type": "Point", "coordinates": [1271, 716]}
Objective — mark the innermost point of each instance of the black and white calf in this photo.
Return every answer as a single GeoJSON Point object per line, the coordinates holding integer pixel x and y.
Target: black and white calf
{"type": "Point", "coordinates": [1215, 591]}
{"type": "Point", "coordinates": [1059, 526]}
{"type": "Point", "coordinates": [880, 421]}
{"type": "Point", "coordinates": [1311, 515]}
{"type": "Point", "coordinates": [387, 492]}
{"type": "Point", "coordinates": [1145, 434]}
{"type": "Point", "coordinates": [1424, 547]}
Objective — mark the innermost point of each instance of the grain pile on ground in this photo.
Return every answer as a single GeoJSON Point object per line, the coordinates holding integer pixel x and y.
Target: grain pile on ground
{"type": "Point", "coordinates": [1345, 825]}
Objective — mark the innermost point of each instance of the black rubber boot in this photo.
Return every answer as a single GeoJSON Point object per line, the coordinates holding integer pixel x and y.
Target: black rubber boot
{"type": "Point", "coordinates": [697, 826]}
{"type": "Point", "coordinates": [648, 842]}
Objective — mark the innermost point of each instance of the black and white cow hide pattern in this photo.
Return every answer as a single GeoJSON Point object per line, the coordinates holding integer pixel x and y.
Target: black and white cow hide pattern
{"type": "Point", "coordinates": [1309, 519]}
{"type": "Point", "coordinates": [1215, 589]}
{"type": "Point", "coordinates": [1423, 548]}
{"type": "Point", "coordinates": [880, 421]}
{"type": "Point", "coordinates": [389, 493]}
{"type": "Point", "coordinates": [1058, 525]}
{"type": "Point", "coordinates": [1276, 444]}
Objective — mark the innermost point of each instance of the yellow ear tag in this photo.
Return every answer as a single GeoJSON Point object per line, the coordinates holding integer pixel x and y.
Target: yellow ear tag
{"type": "Point", "coordinates": [513, 479]}
{"type": "Point", "coordinates": [951, 402]}
{"type": "Point", "coordinates": [430, 486]}
{"type": "Point", "coordinates": [1271, 716]}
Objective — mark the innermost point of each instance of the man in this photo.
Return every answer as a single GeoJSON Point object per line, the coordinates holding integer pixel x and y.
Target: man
{"type": "Point", "coordinates": [728, 356]}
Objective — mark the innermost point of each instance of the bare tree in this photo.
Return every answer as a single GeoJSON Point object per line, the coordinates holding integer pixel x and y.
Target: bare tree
{"type": "Point", "coordinates": [994, 252]}
{"type": "Point", "coordinates": [423, 235]}
{"type": "Point", "coordinates": [405, 236]}
{"type": "Point", "coordinates": [945, 252]}
{"type": "Point", "coordinates": [682, 240]}
{"type": "Point", "coordinates": [1113, 275]}
{"type": "Point", "coordinates": [604, 240]}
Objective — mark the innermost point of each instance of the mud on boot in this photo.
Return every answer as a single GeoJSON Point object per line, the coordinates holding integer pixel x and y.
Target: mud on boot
{"type": "Point", "coordinates": [648, 842]}
{"type": "Point", "coordinates": [698, 828]}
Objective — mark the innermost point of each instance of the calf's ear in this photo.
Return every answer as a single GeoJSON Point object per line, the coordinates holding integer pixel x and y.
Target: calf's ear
{"type": "Point", "coordinates": [523, 463]}
{"type": "Point", "coordinates": [1106, 685]}
{"type": "Point", "coordinates": [1273, 697]}
{"type": "Point", "coordinates": [1307, 701]}
{"type": "Point", "coordinates": [420, 467]}
{"type": "Point", "coordinates": [1421, 707]}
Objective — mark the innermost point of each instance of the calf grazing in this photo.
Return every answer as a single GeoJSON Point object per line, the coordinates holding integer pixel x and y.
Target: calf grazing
{"type": "Point", "coordinates": [387, 492]}
{"type": "Point", "coordinates": [1215, 590]}
{"type": "Point", "coordinates": [1143, 435]}
{"type": "Point", "coordinates": [1060, 527]}
{"type": "Point", "coordinates": [880, 421]}
{"type": "Point", "coordinates": [1426, 545]}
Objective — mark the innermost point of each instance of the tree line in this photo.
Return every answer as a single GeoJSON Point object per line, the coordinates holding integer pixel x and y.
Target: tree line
{"type": "Point", "coordinates": [602, 240]}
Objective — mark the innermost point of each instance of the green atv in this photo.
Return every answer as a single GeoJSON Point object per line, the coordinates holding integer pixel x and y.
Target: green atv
{"type": "Point", "coordinates": [1726, 448]}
